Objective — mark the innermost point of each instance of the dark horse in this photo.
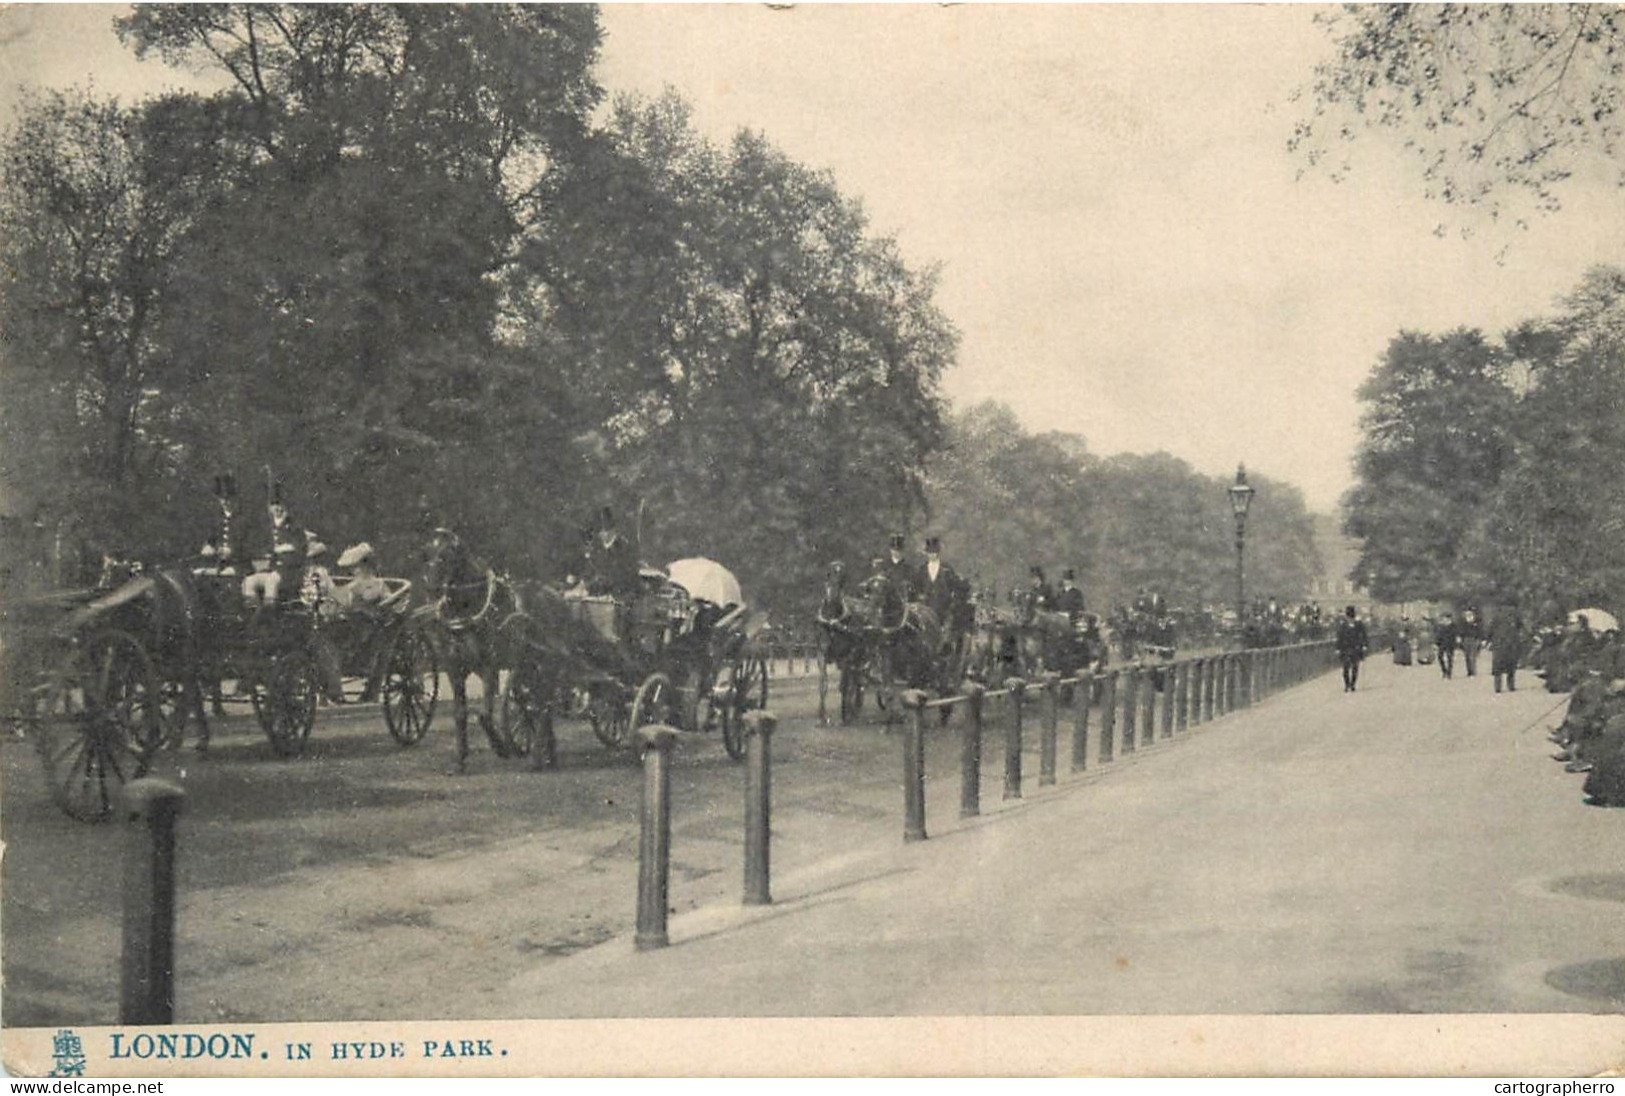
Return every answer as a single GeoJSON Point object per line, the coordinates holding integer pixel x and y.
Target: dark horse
{"type": "Point", "coordinates": [479, 627]}
{"type": "Point", "coordinates": [845, 644]}
{"type": "Point", "coordinates": [909, 651]}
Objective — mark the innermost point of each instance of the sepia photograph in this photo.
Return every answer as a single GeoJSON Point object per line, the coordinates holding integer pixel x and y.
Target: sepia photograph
{"type": "Point", "coordinates": [812, 540]}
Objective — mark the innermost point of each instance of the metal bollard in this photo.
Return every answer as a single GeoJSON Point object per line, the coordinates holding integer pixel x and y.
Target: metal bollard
{"type": "Point", "coordinates": [970, 753]}
{"type": "Point", "coordinates": [914, 767]}
{"type": "Point", "coordinates": [1182, 697]}
{"type": "Point", "coordinates": [1208, 672]}
{"type": "Point", "coordinates": [1048, 732]}
{"type": "Point", "coordinates": [147, 975]}
{"type": "Point", "coordinates": [1082, 696]}
{"type": "Point", "coordinates": [1131, 706]}
{"type": "Point", "coordinates": [759, 728]}
{"type": "Point", "coordinates": [1108, 716]}
{"type": "Point", "coordinates": [1170, 697]}
{"type": "Point", "coordinates": [1148, 702]}
{"type": "Point", "coordinates": [1012, 738]}
{"type": "Point", "coordinates": [654, 841]}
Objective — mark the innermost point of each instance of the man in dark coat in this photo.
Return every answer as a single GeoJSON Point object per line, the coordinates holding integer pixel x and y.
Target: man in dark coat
{"type": "Point", "coordinates": [1352, 641]}
{"type": "Point", "coordinates": [1506, 647]}
{"type": "Point", "coordinates": [946, 594]}
{"type": "Point", "coordinates": [1038, 589]}
{"type": "Point", "coordinates": [1444, 641]}
{"type": "Point", "coordinates": [1070, 599]}
{"type": "Point", "coordinates": [898, 569]}
{"type": "Point", "coordinates": [612, 563]}
{"type": "Point", "coordinates": [936, 583]}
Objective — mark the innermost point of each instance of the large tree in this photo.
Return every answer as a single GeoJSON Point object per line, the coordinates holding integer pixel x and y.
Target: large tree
{"type": "Point", "coordinates": [342, 307]}
{"type": "Point", "coordinates": [1555, 535]}
{"type": "Point", "coordinates": [95, 202]}
{"type": "Point", "coordinates": [761, 369]}
{"type": "Point", "coordinates": [1497, 101]}
{"type": "Point", "coordinates": [1438, 437]}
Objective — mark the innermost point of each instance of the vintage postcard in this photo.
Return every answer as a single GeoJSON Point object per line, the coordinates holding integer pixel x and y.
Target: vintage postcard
{"type": "Point", "coordinates": [835, 540]}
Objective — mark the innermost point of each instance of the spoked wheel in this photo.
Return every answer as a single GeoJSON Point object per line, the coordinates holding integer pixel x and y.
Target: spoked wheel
{"type": "Point", "coordinates": [746, 692]}
{"type": "Point", "coordinates": [610, 718]}
{"type": "Point", "coordinates": [410, 688]}
{"type": "Point", "coordinates": [656, 702]}
{"type": "Point", "coordinates": [527, 717]}
{"type": "Point", "coordinates": [100, 723]}
{"type": "Point", "coordinates": [285, 701]}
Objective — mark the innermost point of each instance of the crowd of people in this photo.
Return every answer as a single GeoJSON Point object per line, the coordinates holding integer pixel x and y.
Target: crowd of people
{"type": "Point", "coordinates": [1588, 662]}
{"type": "Point", "coordinates": [1583, 655]}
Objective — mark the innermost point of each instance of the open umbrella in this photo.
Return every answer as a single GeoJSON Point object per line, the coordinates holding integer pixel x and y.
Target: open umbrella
{"type": "Point", "coordinates": [707, 580]}
{"type": "Point", "coordinates": [1599, 620]}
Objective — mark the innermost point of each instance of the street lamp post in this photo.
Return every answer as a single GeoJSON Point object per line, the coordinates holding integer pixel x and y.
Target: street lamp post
{"type": "Point", "coordinates": [1241, 497]}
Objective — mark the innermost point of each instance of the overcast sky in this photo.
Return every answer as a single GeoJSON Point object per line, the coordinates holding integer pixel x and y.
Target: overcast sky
{"type": "Point", "coordinates": [1125, 247]}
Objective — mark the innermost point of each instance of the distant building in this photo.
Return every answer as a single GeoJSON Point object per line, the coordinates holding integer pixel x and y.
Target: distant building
{"type": "Point", "coordinates": [1339, 555]}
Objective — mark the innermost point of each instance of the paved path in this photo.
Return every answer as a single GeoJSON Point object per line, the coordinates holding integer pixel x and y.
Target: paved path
{"type": "Point", "coordinates": [1407, 848]}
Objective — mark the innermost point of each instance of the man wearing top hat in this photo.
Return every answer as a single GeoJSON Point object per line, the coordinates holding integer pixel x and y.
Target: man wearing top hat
{"type": "Point", "coordinates": [897, 569]}
{"type": "Point", "coordinates": [1070, 599]}
{"type": "Point", "coordinates": [1039, 589]}
{"type": "Point", "coordinates": [611, 564]}
{"type": "Point", "coordinates": [937, 585]}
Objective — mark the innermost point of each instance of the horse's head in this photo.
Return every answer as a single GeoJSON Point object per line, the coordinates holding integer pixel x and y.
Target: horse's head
{"type": "Point", "coordinates": [450, 571]}
{"type": "Point", "coordinates": [1026, 605]}
{"type": "Point", "coordinates": [833, 604]}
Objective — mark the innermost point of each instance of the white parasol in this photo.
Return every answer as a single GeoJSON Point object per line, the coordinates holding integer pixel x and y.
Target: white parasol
{"type": "Point", "coordinates": [1600, 620]}
{"type": "Point", "coordinates": [707, 580]}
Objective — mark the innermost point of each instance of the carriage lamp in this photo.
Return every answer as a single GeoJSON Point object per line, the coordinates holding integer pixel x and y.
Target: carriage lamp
{"type": "Point", "coordinates": [1241, 497]}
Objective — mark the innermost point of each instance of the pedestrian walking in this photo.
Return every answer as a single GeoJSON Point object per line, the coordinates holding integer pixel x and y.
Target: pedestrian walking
{"type": "Point", "coordinates": [1507, 642]}
{"type": "Point", "coordinates": [1444, 642]}
{"type": "Point", "coordinates": [1352, 641]}
{"type": "Point", "coordinates": [1470, 635]}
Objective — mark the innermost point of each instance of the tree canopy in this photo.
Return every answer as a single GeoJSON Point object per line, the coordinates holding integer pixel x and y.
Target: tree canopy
{"type": "Point", "coordinates": [1496, 101]}
{"type": "Point", "coordinates": [1486, 469]}
{"type": "Point", "coordinates": [399, 264]}
{"type": "Point", "coordinates": [1123, 523]}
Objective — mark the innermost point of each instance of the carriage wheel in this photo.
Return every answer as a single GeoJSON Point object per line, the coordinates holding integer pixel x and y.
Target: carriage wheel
{"type": "Point", "coordinates": [285, 701]}
{"type": "Point", "coordinates": [610, 718]}
{"type": "Point", "coordinates": [656, 702]}
{"type": "Point", "coordinates": [527, 717]}
{"type": "Point", "coordinates": [747, 692]}
{"type": "Point", "coordinates": [410, 688]}
{"type": "Point", "coordinates": [100, 724]}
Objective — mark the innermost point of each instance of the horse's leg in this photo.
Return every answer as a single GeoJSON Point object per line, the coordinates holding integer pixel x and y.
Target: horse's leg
{"type": "Point", "coordinates": [823, 683]}
{"type": "Point", "coordinates": [490, 684]}
{"type": "Point", "coordinates": [192, 706]}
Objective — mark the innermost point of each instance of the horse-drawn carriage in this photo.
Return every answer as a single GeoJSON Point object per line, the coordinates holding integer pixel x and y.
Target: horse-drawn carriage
{"type": "Point", "coordinates": [684, 653]}
{"type": "Point", "coordinates": [681, 652]}
{"type": "Point", "coordinates": [1026, 640]}
{"type": "Point", "coordinates": [875, 640]}
{"type": "Point", "coordinates": [105, 679]}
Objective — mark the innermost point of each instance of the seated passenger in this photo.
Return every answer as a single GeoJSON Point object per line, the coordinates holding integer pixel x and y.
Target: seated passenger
{"type": "Point", "coordinates": [365, 590]}
{"type": "Point", "coordinates": [261, 585]}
